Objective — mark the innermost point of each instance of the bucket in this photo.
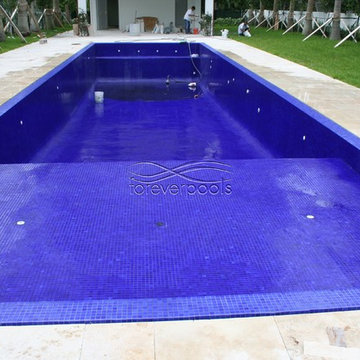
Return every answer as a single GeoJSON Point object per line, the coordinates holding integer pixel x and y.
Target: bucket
{"type": "Point", "coordinates": [195, 31]}
{"type": "Point", "coordinates": [224, 33]}
{"type": "Point", "coordinates": [134, 29]}
{"type": "Point", "coordinates": [99, 97]}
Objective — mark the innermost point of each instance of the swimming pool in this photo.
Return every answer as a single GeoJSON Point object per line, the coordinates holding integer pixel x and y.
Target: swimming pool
{"type": "Point", "coordinates": [230, 198]}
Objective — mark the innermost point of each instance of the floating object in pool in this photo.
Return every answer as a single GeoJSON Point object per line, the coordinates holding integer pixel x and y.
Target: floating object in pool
{"type": "Point", "coordinates": [194, 55]}
{"type": "Point", "coordinates": [99, 97]}
{"type": "Point", "coordinates": [192, 85]}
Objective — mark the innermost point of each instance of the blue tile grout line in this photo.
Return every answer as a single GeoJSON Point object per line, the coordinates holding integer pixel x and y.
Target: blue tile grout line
{"type": "Point", "coordinates": [199, 307]}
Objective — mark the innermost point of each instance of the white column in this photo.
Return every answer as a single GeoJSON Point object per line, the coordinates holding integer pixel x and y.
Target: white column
{"type": "Point", "coordinates": [82, 6]}
{"type": "Point", "coordinates": [209, 9]}
{"type": "Point", "coordinates": [93, 14]}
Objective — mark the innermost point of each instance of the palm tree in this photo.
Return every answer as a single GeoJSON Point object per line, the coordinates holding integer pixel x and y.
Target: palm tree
{"type": "Point", "coordinates": [67, 12]}
{"type": "Point", "coordinates": [335, 29]}
{"type": "Point", "coordinates": [49, 19]}
{"type": "Point", "coordinates": [261, 13]}
{"type": "Point", "coordinates": [290, 21]}
{"type": "Point", "coordinates": [23, 20]}
{"type": "Point", "coordinates": [57, 11]}
{"type": "Point", "coordinates": [251, 11]}
{"type": "Point", "coordinates": [276, 14]}
{"type": "Point", "coordinates": [2, 33]}
{"type": "Point", "coordinates": [308, 18]}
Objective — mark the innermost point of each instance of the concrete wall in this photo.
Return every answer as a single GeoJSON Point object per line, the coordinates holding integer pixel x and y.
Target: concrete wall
{"type": "Point", "coordinates": [164, 10]}
{"type": "Point", "coordinates": [197, 4]}
{"type": "Point", "coordinates": [102, 18]}
{"type": "Point", "coordinates": [93, 15]}
{"type": "Point", "coordinates": [113, 13]}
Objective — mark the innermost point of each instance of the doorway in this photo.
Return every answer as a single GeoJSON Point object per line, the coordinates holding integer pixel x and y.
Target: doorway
{"type": "Point", "coordinates": [180, 10]}
{"type": "Point", "coordinates": [113, 14]}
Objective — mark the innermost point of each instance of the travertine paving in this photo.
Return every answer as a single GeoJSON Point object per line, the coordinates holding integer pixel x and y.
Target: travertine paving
{"type": "Point", "coordinates": [305, 337]}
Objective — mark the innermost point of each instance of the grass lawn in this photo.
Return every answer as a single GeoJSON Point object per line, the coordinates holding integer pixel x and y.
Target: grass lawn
{"type": "Point", "coordinates": [15, 42]}
{"type": "Point", "coordinates": [342, 63]}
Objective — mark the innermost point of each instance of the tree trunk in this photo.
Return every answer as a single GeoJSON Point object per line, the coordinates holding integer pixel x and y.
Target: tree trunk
{"type": "Point", "coordinates": [67, 12]}
{"type": "Point", "coordinates": [291, 20]}
{"type": "Point", "coordinates": [261, 14]}
{"type": "Point", "coordinates": [335, 29]}
{"type": "Point", "coordinates": [33, 27]}
{"type": "Point", "coordinates": [251, 13]}
{"type": "Point", "coordinates": [57, 11]}
{"type": "Point", "coordinates": [275, 14]}
{"type": "Point", "coordinates": [49, 19]}
{"type": "Point", "coordinates": [2, 33]}
{"type": "Point", "coordinates": [23, 20]}
{"type": "Point", "coordinates": [308, 19]}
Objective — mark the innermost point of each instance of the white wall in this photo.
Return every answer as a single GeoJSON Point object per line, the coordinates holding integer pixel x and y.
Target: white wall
{"type": "Point", "coordinates": [209, 7]}
{"type": "Point", "coordinates": [101, 9]}
{"type": "Point", "coordinates": [197, 4]}
{"type": "Point", "coordinates": [93, 15]}
{"type": "Point", "coordinates": [82, 5]}
{"type": "Point", "coordinates": [164, 10]}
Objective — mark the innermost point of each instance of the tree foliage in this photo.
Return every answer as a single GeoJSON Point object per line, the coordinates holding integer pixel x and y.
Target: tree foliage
{"type": "Point", "coordinates": [10, 5]}
{"type": "Point", "coordinates": [321, 5]}
{"type": "Point", "coordinates": [346, 5]}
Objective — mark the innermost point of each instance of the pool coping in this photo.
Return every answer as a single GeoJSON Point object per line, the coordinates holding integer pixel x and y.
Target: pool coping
{"type": "Point", "coordinates": [37, 83]}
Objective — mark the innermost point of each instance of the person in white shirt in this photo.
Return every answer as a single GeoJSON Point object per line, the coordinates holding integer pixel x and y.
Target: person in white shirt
{"type": "Point", "coordinates": [189, 15]}
{"type": "Point", "coordinates": [244, 29]}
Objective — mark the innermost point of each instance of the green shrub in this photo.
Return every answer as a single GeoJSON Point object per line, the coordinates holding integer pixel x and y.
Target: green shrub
{"type": "Point", "coordinates": [223, 22]}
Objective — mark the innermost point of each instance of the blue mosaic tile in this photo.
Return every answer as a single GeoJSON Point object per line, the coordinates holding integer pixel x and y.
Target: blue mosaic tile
{"type": "Point", "coordinates": [91, 251]}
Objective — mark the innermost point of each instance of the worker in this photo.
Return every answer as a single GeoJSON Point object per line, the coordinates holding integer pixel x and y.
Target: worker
{"type": "Point", "coordinates": [189, 15]}
{"type": "Point", "coordinates": [244, 29]}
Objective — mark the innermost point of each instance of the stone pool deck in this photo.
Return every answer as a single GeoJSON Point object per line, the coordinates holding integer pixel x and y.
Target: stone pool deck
{"type": "Point", "coordinates": [309, 336]}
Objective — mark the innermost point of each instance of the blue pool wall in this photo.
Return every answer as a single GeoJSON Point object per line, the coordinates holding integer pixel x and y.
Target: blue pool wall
{"type": "Point", "coordinates": [276, 118]}
{"type": "Point", "coordinates": [284, 124]}
{"type": "Point", "coordinates": [29, 119]}
{"type": "Point", "coordinates": [148, 61]}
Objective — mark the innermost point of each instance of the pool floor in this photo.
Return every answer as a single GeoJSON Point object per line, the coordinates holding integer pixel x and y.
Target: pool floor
{"type": "Point", "coordinates": [134, 124]}
{"type": "Point", "coordinates": [78, 245]}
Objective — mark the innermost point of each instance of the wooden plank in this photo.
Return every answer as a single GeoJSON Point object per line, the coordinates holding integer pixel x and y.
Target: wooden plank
{"type": "Point", "coordinates": [12, 24]}
{"type": "Point", "coordinates": [12, 16]}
